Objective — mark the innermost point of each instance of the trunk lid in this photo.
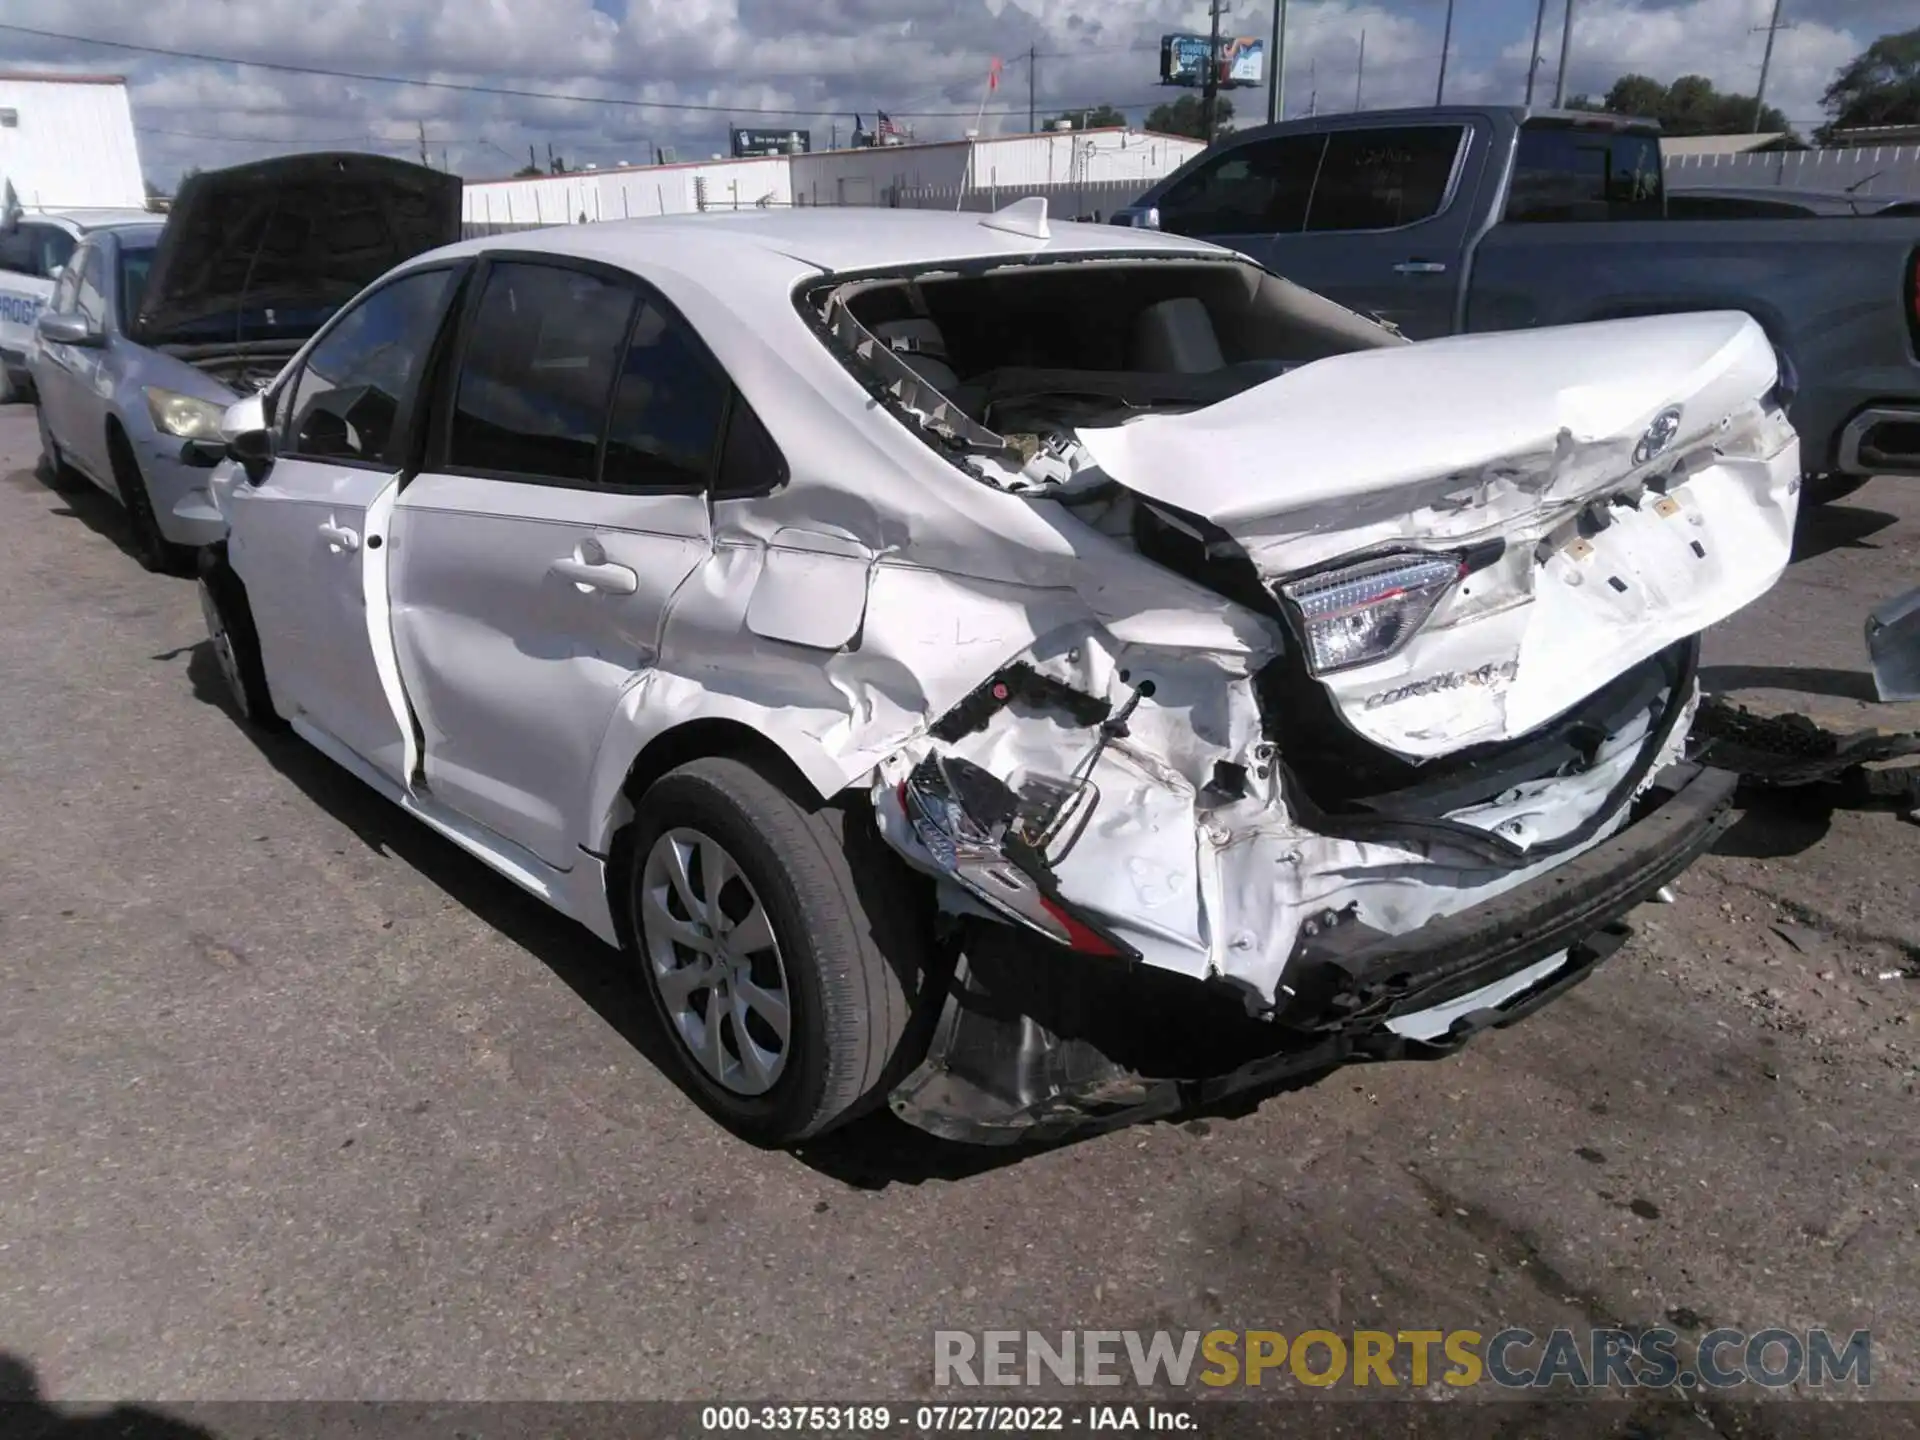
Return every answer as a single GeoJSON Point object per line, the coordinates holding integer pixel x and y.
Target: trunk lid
{"type": "Point", "coordinates": [298, 236]}
{"type": "Point", "coordinates": [1639, 487]}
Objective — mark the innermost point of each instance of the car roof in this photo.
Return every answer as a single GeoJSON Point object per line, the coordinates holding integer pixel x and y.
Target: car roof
{"type": "Point", "coordinates": [833, 239]}
{"type": "Point", "coordinates": [86, 221]}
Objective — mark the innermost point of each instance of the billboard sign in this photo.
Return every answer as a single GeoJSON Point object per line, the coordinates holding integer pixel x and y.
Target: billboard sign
{"type": "Point", "coordinates": [771, 142]}
{"type": "Point", "coordinates": [1242, 60]}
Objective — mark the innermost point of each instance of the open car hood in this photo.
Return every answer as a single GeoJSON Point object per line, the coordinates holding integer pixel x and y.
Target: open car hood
{"type": "Point", "coordinates": [1608, 489]}
{"type": "Point", "coordinates": [301, 231]}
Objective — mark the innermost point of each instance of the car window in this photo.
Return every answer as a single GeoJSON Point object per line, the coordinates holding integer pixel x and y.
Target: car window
{"type": "Point", "coordinates": [1257, 188]}
{"type": "Point", "coordinates": [345, 402]}
{"type": "Point", "coordinates": [134, 265]}
{"type": "Point", "coordinates": [750, 461]}
{"type": "Point", "coordinates": [52, 248]}
{"type": "Point", "coordinates": [1570, 173]}
{"type": "Point", "coordinates": [536, 372]}
{"type": "Point", "coordinates": [90, 298]}
{"type": "Point", "coordinates": [667, 408]}
{"type": "Point", "coordinates": [64, 291]}
{"type": "Point", "coordinates": [16, 252]}
{"type": "Point", "coordinates": [1381, 179]}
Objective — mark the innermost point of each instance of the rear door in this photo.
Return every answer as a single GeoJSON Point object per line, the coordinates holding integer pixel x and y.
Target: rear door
{"type": "Point", "coordinates": [563, 502]}
{"type": "Point", "coordinates": [302, 539]}
{"type": "Point", "coordinates": [1388, 222]}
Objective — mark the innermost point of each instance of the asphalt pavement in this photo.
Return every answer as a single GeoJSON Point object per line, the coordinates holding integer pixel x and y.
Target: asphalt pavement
{"type": "Point", "coordinates": [298, 1101]}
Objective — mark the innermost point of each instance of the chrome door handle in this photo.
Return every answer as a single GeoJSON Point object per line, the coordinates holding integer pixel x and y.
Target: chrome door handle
{"type": "Point", "coordinates": [1420, 267]}
{"type": "Point", "coordinates": [340, 537]}
{"type": "Point", "coordinates": [608, 578]}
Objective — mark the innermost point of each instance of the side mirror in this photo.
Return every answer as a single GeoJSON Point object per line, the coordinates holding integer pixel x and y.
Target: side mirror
{"type": "Point", "coordinates": [249, 440]}
{"type": "Point", "coordinates": [68, 329]}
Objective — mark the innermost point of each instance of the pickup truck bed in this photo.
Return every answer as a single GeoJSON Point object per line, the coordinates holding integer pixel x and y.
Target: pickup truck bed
{"type": "Point", "coordinates": [1444, 220]}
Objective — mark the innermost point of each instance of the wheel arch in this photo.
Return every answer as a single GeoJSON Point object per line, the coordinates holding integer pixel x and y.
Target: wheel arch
{"type": "Point", "coordinates": [633, 758]}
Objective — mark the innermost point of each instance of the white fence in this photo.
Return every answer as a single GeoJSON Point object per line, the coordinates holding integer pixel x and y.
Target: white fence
{"type": "Point", "coordinates": [1876, 170]}
{"type": "Point", "coordinates": [1074, 200]}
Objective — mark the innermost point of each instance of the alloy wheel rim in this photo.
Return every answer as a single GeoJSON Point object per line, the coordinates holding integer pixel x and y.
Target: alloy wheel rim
{"type": "Point", "coordinates": [715, 962]}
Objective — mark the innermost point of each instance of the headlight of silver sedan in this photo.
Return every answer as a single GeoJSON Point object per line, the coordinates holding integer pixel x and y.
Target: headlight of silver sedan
{"type": "Point", "coordinates": [186, 416]}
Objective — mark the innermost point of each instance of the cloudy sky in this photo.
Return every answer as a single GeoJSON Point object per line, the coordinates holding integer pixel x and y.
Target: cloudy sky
{"type": "Point", "coordinates": [698, 64]}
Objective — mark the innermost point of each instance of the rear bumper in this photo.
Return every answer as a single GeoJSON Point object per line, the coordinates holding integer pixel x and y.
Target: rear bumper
{"type": "Point", "coordinates": [1030, 1049]}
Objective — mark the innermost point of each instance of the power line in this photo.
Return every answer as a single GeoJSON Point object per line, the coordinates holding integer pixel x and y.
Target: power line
{"type": "Point", "coordinates": [510, 92]}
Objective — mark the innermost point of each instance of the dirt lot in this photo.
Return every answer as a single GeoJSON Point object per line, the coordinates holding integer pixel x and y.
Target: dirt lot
{"type": "Point", "coordinates": [301, 1102]}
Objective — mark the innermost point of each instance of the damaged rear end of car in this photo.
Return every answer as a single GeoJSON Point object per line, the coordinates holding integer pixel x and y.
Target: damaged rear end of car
{"type": "Point", "coordinates": [1396, 733]}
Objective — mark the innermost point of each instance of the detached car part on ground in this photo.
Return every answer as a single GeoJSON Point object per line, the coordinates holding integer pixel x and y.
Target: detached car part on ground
{"type": "Point", "coordinates": [1255, 689]}
{"type": "Point", "coordinates": [152, 332]}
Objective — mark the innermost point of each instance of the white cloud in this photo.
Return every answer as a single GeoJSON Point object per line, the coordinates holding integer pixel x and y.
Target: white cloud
{"type": "Point", "coordinates": [831, 59]}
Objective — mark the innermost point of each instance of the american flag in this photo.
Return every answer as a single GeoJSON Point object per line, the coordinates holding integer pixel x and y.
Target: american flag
{"type": "Point", "coordinates": [885, 127]}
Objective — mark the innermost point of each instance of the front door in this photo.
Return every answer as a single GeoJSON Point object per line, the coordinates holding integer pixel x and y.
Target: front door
{"type": "Point", "coordinates": [308, 539]}
{"type": "Point", "coordinates": [68, 374]}
{"type": "Point", "coordinates": [563, 501]}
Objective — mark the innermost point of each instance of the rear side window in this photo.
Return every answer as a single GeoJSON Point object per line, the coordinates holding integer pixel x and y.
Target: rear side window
{"type": "Point", "coordinates": [1259, 188]}
{"type": "Point", "coordinates": [667, 410]}
{"type": "Point", "coordinates": [1572, 173]}
{"type": "Point", "coordinates": [53, 247]}
{"type": "Point", "coordinates": [345, 402]}
{"type": "Point", "coordinates": [536, 371]}
{"type": "Point", "coordinates": [1385, 178]}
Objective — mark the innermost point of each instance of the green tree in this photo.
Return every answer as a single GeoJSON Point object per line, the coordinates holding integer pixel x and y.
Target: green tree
{"type": "Point", "coordinates": [1881, 86]}
{"type": "Point", "coordinates": [1182, 117]}
{"type": "Point", "coordinates": [1100, 117]}
{"type": "Point", "coordinates": [1689, 106]}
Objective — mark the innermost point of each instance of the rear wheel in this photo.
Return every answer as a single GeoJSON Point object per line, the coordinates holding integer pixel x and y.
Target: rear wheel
{"type": "Point", "coordinates": [783, 980]}
{"type": "Point", "coordinates": [236, 644]}
{"type": "Point", "coordinates": [156, 552]}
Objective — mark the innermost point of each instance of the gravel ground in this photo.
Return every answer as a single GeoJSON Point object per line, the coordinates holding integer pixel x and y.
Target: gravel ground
{"type": "Point", "coordinates": [300, 1102]}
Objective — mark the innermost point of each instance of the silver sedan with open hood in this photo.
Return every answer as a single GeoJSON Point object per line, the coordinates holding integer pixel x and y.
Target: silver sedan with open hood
{"type": "Point", "coordinates": [1021, 674]}
{"type": "Point", "coordinates": [152, 332]}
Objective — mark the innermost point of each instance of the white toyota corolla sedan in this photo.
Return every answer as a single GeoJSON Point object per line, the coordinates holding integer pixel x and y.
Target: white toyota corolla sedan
{"type": "Point", "coordinates": [1028, 676]}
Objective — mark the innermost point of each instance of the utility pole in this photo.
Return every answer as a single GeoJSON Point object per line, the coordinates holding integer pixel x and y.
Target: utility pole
{"type": "Point", "coordinates": [1446, 39]}
{"type": "Point", "coordinates": [1566, 46]}
{"type": "Point", "coordinates": [1033, 64]}
{"type": "Point", "coordinates": [1360, 74]}
{"type": "Point", "coordinates": [1313, 88]}
{"type": "Point", "coordinates": [1210, 94]}
{"type": "Point", "coordinates": [423, 142]}
{"type": "Point", "coordinates": [1277, 58]}
{"type": "Point", "coordinates": [1772, 27]}
{"type": "Point", "coordinates": [1533, 66]}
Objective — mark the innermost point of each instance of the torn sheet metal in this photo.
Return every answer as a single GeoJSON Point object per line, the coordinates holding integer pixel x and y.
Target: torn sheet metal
{"type": "Point", "coordinates": [1636, 495]}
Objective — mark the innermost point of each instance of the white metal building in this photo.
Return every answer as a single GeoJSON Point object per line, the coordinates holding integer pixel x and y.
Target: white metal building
{"type": "Point", "coordinates": [1116, 159]}
{"type": "Point", "coordinates": [622, 192]}
{"type": "Point", "coordinates": [67, 142]}
{"type": "Point", "coordinates": [1052, 158]}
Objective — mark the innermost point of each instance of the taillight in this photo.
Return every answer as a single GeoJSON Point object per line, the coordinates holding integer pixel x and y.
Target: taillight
{"type": "Point", "coordinates": [1367, 612]}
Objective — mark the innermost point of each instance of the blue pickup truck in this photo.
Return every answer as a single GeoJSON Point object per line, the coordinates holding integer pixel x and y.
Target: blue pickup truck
{"type": "Point", "coordinates": [1441, 220]}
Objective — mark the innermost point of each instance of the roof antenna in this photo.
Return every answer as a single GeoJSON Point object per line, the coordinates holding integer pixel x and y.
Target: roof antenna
{"type": "Point", "coordinates": [1023, 217]}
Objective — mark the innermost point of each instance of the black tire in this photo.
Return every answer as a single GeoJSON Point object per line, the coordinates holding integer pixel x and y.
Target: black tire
{"type": "Point", "coordinates": [236, 643]}
{"type": "Point", "coordinates": [1825, 489]}
{"type": "Point", "coordinates": [853, 947]}
{"type": "Point", "coordinates": [159, 554]}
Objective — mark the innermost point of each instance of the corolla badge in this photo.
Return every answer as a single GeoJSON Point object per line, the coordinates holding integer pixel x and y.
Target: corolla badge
{"type": "Point", "coordinates": [1659, 435]}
